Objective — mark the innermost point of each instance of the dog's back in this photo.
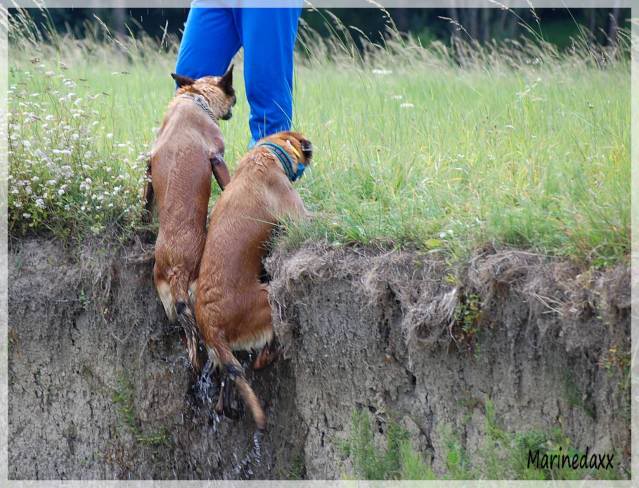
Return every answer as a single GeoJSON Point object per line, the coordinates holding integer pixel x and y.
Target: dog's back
{"type": "Point", "coordinates": [239, 226]}
{"type": "Point", "coordinates": [181, 170]}
{"type": "Point", "coordinates": [188, 143]}
{"type": "Point", "coordinates": [232, 307]}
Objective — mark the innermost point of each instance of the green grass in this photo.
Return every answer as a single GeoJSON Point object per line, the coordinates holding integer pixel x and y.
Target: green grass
{"type": "Point", "coordinates": [431, 147]}
{"type": "Point", "coordinates": [122, 398]}
{"type": "Point", "coordinates": [503, 454]}
{"type": "Point", "coordinates": [396, 460]}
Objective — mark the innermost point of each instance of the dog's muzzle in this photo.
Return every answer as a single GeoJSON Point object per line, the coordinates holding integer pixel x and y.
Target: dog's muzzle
{"type": "Point", "coordinates": [227, 115]}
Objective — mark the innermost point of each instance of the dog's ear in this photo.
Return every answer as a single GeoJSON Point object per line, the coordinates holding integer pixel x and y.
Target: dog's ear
{"type": "Point", "coordinates": [182, 80]}
{"type": "Point", "coordinates": [307, 149]}
{"type": "Point", "coordinates": [226, 82]}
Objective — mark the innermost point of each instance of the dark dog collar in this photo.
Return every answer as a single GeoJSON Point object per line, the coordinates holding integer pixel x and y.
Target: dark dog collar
{"type": "Point", "coordinates": [201, 102]}
{"type": "Point", "coordinates": [285, 160]}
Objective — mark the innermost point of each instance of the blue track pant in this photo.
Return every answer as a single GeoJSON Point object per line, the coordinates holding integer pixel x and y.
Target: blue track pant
{"type": "Point", "coordinates": [211, 38]}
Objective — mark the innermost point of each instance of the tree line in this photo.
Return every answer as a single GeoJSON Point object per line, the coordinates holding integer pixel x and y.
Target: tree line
{"type": "Point", "coordinates": [556, 25]}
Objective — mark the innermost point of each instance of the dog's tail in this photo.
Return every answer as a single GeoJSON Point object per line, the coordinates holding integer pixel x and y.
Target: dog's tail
{"type": "Point", "coordinates": [221, 354]}
{"type": "Point", "coordinates": [186, 316]}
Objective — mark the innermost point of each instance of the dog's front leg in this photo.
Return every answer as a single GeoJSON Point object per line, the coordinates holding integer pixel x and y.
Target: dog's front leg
{"type": "Point", "coordinates": [220, 171]}
{"type": "Point", "coordinates": [291, 206]}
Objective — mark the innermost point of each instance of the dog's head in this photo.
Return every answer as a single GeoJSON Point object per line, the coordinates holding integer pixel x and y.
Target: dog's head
{"type": "Point", "coordinates": [300, 148]}
{"type": "Point", "coordinates": [218, 91]}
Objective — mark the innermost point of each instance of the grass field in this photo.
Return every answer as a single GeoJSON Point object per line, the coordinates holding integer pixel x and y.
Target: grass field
{"type": "Point", "coordinates": [431, 147]}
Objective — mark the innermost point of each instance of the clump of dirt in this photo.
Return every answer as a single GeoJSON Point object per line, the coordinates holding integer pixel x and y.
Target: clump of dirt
{"type": "Point", "coordinates": [99, 385]}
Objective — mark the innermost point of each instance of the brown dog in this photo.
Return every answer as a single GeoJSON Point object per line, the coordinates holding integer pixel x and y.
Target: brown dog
{"type": "Point", "coordinates": [189, 147]}
{"type": "Point", "coordinates": [232, 308]}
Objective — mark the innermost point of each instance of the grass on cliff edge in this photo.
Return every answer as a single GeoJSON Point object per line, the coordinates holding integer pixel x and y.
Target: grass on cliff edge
{"type": "Point", "coordinates": [434, 147]}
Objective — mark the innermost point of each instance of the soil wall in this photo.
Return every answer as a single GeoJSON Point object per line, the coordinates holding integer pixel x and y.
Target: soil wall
{"type": "Point", "coordinates": [99, 385]}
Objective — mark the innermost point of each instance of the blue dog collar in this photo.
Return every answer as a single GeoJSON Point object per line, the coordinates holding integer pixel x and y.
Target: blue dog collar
{"type": "Point", "coordinates": [285, 160]}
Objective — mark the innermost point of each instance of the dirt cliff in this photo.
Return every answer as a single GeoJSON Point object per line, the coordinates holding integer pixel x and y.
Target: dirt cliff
{"type": "Point", "coordinates": [99, 385]}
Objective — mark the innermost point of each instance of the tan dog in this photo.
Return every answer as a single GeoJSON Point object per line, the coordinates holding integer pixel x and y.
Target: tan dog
{"type": "Point", "coordinates": [232, 309]}
{"type": "Point", "coordinates": [189, 147]}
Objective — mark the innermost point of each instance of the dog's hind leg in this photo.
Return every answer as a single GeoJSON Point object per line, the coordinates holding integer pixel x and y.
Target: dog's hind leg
{"type": "Point", "coordinates": [219, 405]}
{"type": "Point", "coordinates": [221, 354]}
{"type": "Point", "coordinates": [267, 356]}
{"type": "Point", "coordinates": [166, 297]}
{"type": "Point", "coordinates": [264, 335]}
{"type": "Point", "coordinates": [228, 404]}
{"type": "Point", "coordinates": [187, 321]}
{"type": "Point", "coordinates": [179, 285]}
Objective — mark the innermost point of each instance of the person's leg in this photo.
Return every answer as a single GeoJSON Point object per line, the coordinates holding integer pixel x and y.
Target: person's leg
{"type": "Point", "coordinates": [268, 37]}
{"type": "Point", "coordinates": [209, 42]}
